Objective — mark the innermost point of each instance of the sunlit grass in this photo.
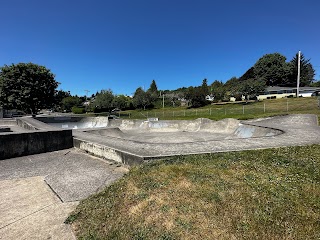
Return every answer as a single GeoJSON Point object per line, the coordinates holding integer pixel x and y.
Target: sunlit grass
{"type": "Point", "coordinates": [260, 194]}
{"type": "Point", "coordinates": [231, 110]}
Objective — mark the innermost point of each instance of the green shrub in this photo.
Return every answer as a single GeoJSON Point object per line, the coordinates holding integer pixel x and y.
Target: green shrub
{"type": "Point", "coordinates": [78, 110]}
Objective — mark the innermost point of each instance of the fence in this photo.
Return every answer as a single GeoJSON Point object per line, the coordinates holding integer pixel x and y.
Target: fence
{"type": "Point", "coordinates": [241, 110]}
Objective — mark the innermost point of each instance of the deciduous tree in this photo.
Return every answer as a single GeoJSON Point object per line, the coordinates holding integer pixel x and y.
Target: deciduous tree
{"type": "Point", "coordinates": [218, 90]}
{"type": "Point", "coordinates": [272, 68]}
{"type": "Point", "coordinates": [141, 99]}
{"type": "Point", "coordinates": [251, 88]}
{"type": "Point", "coordinates": [27, 86]}
{"type": "Point", "coordinates": [196, 97]}
{"type": "Point", "coordinates": [104, 100]}
{"type": "Point", "coordinates": [69, 102]}
{"type": "Point", "coordinates": [121, 102]}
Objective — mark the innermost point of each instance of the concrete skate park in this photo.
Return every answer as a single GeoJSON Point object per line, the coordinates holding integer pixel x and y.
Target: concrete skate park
{"type": "Point", "coordinates": [132, 142]}
{"type": "Point", "coordinates": [45, 169]}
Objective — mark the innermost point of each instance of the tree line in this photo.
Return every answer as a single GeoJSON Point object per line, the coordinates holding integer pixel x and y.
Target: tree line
{"type": "Point", "coordinates": [30, 87]}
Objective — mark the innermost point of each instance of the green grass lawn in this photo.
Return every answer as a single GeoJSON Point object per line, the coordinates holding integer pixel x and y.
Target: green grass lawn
{"type": "Point", "coordinates": [232, 110]}
{"type": "Point", "coordinates": [258, 194]}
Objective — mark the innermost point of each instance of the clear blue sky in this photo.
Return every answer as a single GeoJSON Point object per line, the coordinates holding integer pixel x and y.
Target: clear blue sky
{"type": "Point", "coordinates": [124, 44]}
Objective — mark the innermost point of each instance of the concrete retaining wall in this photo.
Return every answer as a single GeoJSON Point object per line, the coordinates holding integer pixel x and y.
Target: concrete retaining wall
{"type": "Point", "coordinates": [22, 123]}
{"type": "Point", "coordinates": [8, 122]}
{"type": "Point", "coordinates": [107, 152]}
{"type": "Point", "coordinates": [22, 144]}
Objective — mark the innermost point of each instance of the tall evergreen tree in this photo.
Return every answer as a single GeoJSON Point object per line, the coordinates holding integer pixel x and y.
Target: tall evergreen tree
{"type": "Point", "coordinates": [204, 88]}
{"type": "Point", "coordinates": [307, 72]}
{"type": "Point", "coordinates": [153, 92]}
{"type": "Point", "coordinates": [153, 87]}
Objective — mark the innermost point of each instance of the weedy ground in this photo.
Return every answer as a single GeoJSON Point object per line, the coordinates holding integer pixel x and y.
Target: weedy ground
{"type": "Point", "coordinates": [259, 194]}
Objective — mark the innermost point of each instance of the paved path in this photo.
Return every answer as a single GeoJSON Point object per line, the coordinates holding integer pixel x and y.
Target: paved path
{"type": "Point", "coordinates": [39, 191]}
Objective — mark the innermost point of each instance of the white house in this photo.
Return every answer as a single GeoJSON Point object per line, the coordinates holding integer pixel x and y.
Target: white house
{"type": "Point", "coordinates": [282, 92]}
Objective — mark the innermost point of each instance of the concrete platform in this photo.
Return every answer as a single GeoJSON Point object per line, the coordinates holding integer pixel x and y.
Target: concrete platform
{"type": "Point", "coordinates": [30, 210]}
{"type": "Point", "coordinates": [11, 126]}
{"type": "Point", "coordinates": [39, 191]}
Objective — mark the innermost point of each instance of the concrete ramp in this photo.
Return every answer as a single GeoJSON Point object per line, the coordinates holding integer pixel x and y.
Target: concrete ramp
{"type": "Point", "coordinates": [200, 124]}
{"type": "Point", "coordinates": [75, 122]}
{"type": "Point", "coordinates": [109, 132]}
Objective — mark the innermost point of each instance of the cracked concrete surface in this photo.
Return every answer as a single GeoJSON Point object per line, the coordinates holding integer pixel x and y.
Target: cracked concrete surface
{"type": "Point", "coordinates": [39, 191]}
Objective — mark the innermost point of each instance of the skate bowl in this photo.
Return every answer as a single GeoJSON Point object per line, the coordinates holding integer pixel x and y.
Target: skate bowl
{"type": "Point", "coordinates": [167, 131]}
{"type": "Point", "coordinates": [180, 131]}
{"type": "Point", "coordinates": [133, 142]}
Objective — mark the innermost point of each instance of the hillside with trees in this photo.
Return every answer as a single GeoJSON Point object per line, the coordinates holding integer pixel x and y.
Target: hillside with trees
{"type": "Point", "coordinates": [30, 87]}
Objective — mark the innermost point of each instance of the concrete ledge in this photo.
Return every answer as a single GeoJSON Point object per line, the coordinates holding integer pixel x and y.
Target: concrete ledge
{"type": "Point", "coordinates": [25, 125]}
{"type": "Point", "coordinates": [107, 152]}
{"type": "Point", "coordinates": [22, 144]}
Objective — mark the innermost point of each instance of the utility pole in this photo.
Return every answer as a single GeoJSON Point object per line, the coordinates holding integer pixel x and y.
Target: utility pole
{"type": "Point", "coordinates": [86, 93]}
{"type": "Point", "coordinates": [298, 76]}
{"type": "Point", "coordinates": [162, 100]}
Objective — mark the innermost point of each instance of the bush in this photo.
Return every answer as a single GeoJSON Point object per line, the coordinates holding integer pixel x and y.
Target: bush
{"type": "Point", "coordinates": [78, 110]}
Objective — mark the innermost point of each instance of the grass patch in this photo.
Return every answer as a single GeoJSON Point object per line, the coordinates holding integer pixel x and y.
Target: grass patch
{"type": "Point", "coordinates": [259, 194]}
{"type": "Point", "coordinates": [240, 111]}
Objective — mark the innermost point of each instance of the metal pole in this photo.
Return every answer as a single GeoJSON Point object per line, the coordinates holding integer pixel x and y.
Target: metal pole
{"type": "Point", "coordinates": [243, 109]}
{"type": "Point", "coordinates": [287, 106]}
{"type": "Point", "coordinates": [298, 76]}
{"type": "Point", "coordinates": [87, 93]}
{"type": "Point", "coordinates": [264, 107]}
{"type": "Point", "coordinates": [162, 100]}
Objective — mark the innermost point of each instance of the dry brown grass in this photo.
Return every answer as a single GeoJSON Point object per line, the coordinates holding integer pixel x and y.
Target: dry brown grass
{"type": "Point", "coordinates": [263, 194]}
